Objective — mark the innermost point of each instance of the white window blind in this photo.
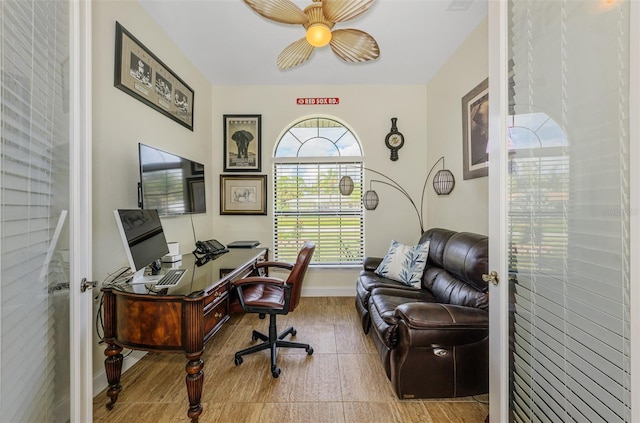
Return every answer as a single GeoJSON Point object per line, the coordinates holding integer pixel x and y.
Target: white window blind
{"type": "Point", "coordinates": [34, 48]}
{"type": "Point", "coordinates": [310, 159]}
{"type": "Point", "coordinates": [164, 189]}
{"type": "Point", "coordinates": [569, 213]}
{"type": "Point", "coordinates": [309, 206]}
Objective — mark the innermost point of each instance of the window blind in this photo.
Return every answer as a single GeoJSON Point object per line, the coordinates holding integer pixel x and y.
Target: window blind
{"type": "Point", "coordinates": [34, 46]}
{"type": "Point", "coordinates": [568, 214]}
{"type": "Point", "coordinates": [165, 190]}
{"type": "Point", "coordinates": [309, 206]}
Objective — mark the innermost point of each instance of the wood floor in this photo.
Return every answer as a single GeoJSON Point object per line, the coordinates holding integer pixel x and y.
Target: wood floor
{"type": "Point", "coordinates": [343, 381]}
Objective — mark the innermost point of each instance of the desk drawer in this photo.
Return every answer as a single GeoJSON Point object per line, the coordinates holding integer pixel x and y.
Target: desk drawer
{"type": "Point", "coordinates": [215, 317]}
{"type": "Point", "coordinates": [216, 294]}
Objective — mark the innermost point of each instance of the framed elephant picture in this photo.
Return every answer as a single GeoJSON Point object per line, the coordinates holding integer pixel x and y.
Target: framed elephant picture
{"type": "Point", "coordinates": [242, 143]}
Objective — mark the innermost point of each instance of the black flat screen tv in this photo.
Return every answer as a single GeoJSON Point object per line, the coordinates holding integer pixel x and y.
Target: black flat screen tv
{"type": "Point", "coordinates": [169, 183]}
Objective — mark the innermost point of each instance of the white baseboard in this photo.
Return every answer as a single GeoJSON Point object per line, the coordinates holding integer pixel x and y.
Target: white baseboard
{"type": "Point", "coordinates": [330, 291]}
{"type": "Point", "coordinates": [100, 379]}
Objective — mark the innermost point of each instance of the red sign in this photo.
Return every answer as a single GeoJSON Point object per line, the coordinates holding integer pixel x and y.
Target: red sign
{"type": "Point", "coordinates": [318, 100]}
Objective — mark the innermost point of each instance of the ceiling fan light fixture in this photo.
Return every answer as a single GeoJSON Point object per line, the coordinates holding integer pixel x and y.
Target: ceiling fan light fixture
{"type": "Point", "coordinates": [318, 35]}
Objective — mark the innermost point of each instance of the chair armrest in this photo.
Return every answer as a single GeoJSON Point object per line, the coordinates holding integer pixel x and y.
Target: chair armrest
{"type": "Point", "coordinates": [281, 265]}
{"type": "Point", "coordinates": [371, 263]}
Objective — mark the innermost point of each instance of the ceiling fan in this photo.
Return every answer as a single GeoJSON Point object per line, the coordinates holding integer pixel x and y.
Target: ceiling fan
{"type": "Point", "coordinates": [350, 45]}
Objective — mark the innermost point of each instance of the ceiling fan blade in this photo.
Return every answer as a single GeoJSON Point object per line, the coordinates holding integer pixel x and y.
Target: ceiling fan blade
{"type": "Point", "coordinates": [295, 54]}
{"type": "Point", "coordinates": [353, 45]}
{"type": "Point", "coordinates": [283, 11]}
{"type": "Point", "coordinates": [343, 10]}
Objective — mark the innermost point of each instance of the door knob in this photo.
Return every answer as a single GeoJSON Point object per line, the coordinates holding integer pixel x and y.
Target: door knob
{"type": "Point", "coordinates": [491, 277]}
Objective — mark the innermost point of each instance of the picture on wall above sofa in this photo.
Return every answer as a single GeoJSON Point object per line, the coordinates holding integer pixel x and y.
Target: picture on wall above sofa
{"type": "Point", "coordinates": [475, 131]}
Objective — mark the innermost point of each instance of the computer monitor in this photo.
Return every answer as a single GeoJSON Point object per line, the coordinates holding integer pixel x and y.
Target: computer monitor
{"type": "Point", "coordinates": [143, 240]}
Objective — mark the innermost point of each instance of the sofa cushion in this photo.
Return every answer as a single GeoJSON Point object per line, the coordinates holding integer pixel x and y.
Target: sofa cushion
{"type": "Point", "coordinates": [367, 280]}
{"type": "Point", "coordinates": [466, 256]}
{"type": "Point", "coordinates": [383, 303]}
{"type": "Point", "coordinates": [450, 290]}
{"type": "Point", "coordinates": [404, 263]}
{"type": "Point", "coordinates": [438, 238]}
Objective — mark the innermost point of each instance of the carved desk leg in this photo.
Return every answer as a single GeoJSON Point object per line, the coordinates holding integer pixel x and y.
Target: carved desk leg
{"type": "Point", "coordinates": [113, 362]}
{"type": "Point", "coordinates": [194, 347]}
{"type": "Point", "coordinates": [194, 379]}
{"type": "Point", "coordinates": [113, 368]}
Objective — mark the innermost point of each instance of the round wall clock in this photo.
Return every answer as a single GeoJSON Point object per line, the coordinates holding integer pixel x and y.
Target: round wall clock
{"type": "Point", "coordinates": [394, 140]}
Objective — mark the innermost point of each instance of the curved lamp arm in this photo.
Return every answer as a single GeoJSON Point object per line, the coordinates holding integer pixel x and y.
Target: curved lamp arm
{"type": "Point", "coordinates": [424, 187]}
{"type": "Point", "coordinates": [402, 190]}
{"type": "Point", "coordinates": [397, 186]}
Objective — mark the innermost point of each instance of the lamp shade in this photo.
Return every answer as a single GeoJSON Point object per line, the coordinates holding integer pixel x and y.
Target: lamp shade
{"type": "Point", "coordinates": [370, 200]}
{"type": "Point", "coordinates": [346, 185]}
{"type": "Point", "coordinates": [318, 35]}
{"type": "Point", "coordinates": [443, 182]}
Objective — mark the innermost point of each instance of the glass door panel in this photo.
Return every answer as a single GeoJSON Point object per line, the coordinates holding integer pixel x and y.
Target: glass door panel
{"type": "Point", "coordinates": [568, 211]}
{"type": "Point", "coordinates": [35, 258]}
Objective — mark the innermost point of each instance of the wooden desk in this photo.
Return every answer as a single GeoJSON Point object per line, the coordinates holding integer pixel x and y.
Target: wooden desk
{"type": "Point", "coordinates": [175, 320]}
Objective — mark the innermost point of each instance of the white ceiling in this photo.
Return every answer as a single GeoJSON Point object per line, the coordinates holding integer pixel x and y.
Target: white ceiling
{"type": "Point", "coordinates": [233, 45]}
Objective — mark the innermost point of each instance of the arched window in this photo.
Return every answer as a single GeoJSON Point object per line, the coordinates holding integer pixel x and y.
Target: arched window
{"type": "Point", "coordinates": [310, 158]}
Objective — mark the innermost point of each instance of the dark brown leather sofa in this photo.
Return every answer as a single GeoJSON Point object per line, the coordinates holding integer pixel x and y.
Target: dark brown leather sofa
{"type": "Point", "coordinates": [433, 341]}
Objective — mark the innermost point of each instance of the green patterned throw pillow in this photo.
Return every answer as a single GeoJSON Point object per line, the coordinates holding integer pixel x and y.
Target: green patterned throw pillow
{"type": "Point", "coordinates": [404, 263]}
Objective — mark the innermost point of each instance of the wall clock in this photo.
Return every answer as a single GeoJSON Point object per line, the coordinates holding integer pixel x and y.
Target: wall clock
{"type": "Point", "coordinates": [394, 140]}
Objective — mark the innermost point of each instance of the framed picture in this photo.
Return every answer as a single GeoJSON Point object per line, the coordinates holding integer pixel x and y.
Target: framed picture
{"type": "Point", "coordinates": [475, 131]}
{"type": "Point", "coordinates": [197, 168]}
{"type": "Point", "coordinates": [243, 194]}
{"type": "Point", "coordinates": [242, 143]}
{"type": "Point", "coordinates": [196, 194]}
{"type": "Point", "coordinates": [139, 73]}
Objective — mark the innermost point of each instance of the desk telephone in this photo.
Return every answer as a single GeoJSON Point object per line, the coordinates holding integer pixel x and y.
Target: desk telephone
{"type": "Point", "coordinates": [209, 248]}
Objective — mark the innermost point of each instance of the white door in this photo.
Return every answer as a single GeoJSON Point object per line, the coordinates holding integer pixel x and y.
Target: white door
{"type": "Point", "coordinates": [561, 221]}
{"type": "Point", "coordinates": [45, 319]}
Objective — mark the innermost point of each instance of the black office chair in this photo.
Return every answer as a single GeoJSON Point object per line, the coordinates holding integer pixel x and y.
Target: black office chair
{"type": "Point", "coordinates": [268, 295]}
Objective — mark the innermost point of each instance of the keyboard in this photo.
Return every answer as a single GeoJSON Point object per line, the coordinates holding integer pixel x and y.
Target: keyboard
{"type": "Point", "coordinates": [171, 278]}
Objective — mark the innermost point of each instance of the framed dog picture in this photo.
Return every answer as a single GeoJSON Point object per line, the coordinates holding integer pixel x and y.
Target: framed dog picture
{"type": "Point", "coordinates": [243, 194]}
{"type": "Point", "coordinates": [242, 143]}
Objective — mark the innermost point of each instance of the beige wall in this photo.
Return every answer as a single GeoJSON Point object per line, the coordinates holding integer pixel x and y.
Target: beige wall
{"type": "Point", "coordinates": [120, 122]}
{"type": "Point", "coordinates": [466, 208]}
{"type": "Point", "coordinates": [424, 113]}
{"type": "Point", "coordinates": [367, 110]}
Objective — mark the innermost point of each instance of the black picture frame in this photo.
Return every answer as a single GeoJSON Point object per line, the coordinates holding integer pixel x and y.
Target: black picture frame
{"type": "Point", "coordinates": [475, 131]}
{"type": "Point", "coordinates": [243, 194]}
{"type": "Point", "coordinates": [242, 143]}
{"type": "Point", "coordinates": [197, 168]}
{"type": "Point", "coordinates": [142, 75]}
{"type": "Point", "coordinates": [196, 193]}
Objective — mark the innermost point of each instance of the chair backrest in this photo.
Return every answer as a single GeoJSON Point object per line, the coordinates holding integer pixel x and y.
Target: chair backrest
{"type": "Point", "coordinates": [296, 276]}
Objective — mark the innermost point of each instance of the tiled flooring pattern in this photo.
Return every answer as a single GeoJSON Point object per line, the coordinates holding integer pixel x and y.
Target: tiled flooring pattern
{"type": "Point", "coordinates": [343, 381]}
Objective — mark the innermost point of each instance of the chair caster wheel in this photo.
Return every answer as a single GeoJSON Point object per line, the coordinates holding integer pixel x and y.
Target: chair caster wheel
{"type": "Point", "coordinates": [253, 338]}
{"type": "Point", "coordinates": [294, 332]}
{"type": "Point", "coordinates": [238, 360]}
{"type": "Point", "coordinates": [309, 351]}
{"type": "Point", "coordinates": [275, 372]}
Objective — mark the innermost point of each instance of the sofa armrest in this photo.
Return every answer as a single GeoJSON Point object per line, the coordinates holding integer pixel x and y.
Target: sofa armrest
{"type": "Point", "coordinates": [441, 325]}
{"type": "Point", "coordinates": [371, 263]}
{"type": "Point", "coordinates": [438, 315]}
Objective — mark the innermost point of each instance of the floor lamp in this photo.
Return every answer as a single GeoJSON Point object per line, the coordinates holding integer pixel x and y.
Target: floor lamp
{"type": "Point", "coordinates": [443, 183]}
